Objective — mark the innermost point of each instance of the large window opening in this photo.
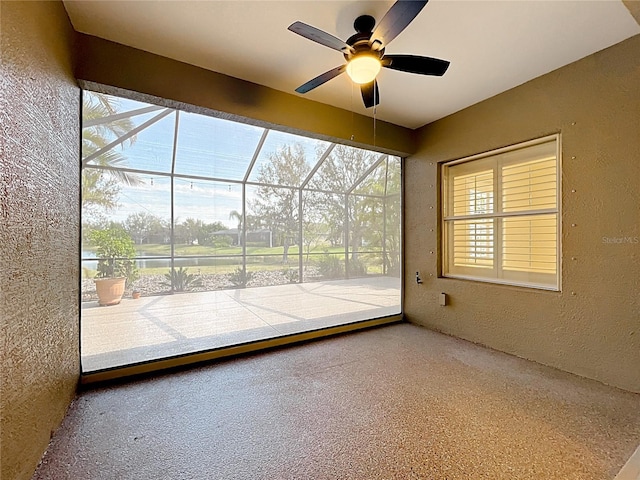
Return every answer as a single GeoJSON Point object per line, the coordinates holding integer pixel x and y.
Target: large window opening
{"type": "Point", "coordinates": [218, 233]}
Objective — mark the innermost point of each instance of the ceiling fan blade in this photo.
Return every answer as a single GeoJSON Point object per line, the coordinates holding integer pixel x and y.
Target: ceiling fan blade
{"type": "Point", "coordinates": [370, 94]}
{"type": "Point", "coordinates": [318, 36]}
{"type": "Point", "coordinates": [416, 64]}
{"type": "Point", "coordinates": [320, 79]}
{"type": "Point", "coordinates": [399, 16]}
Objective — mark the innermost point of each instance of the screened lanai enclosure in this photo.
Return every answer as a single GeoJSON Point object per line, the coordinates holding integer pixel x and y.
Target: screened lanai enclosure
{"type": "Point", "coordinates": [227, 232]}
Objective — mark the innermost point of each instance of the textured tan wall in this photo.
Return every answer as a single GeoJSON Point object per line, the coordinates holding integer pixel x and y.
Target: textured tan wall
{"type": "Point", "coordinates": [104, 62]}
{"type": "Point", "coordinates": [39, 106]}
{"type": "Point", "coordinates": [592, 327]}
{"type": "Point", "coordinates": [634, 8]}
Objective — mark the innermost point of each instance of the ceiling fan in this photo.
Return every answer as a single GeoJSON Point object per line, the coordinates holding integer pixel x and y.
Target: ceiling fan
{"type": "Point", "coordinates": [364, 51]}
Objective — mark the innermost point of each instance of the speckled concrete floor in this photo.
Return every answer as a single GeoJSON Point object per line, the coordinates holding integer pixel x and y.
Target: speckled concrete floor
{"type": "Point", "coordinates": [397, 402]}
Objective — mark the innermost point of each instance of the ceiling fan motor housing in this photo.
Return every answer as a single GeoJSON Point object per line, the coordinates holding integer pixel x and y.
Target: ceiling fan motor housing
{"type": "Point", "coordinates": [359, 42]}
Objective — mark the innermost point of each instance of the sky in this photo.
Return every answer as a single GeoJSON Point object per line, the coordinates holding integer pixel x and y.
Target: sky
{"type": "Point", "coordinates": [206, 147]}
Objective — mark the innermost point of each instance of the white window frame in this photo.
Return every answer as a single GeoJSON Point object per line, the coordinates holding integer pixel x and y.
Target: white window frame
{"type": "Point", "coordinates": [528, 279]}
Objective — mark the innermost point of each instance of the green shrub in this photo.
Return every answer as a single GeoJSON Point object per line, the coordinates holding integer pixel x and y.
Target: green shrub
{"type": "Point", "coordinates": [331, 266]}
{"type": "Point", "coordinates": [115, 252]}
{"type": "Point", "coordinates": [291, 275]}
{"type": "Point", "coordinates": [181, 280]}
{"type": "Point", "coordinates": [240, 277]}
{"type": "Point", "coordinates": [357, 268]}
{"type": "Point", "coordinates": [221, 241]}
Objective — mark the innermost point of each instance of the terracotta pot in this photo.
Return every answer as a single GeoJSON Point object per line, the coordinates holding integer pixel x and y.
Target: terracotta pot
{"type": "Point", "coordinates": [110, 290]}
{"type": "Point", "coordinates": [135, 294]}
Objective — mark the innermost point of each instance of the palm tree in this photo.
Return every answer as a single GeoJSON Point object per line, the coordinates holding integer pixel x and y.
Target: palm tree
{"type": "Point", "coordinates": [234, 214]}
{"type": "Point", "coordinates": [98, 190]}
{"type": "Point", "coordinates": [100, 187]}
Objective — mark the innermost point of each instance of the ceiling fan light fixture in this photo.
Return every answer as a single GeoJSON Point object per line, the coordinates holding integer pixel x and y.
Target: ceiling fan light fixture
{"type": "Point", "coordinates": [364, 51]}
{"type": "Point", "coordinates": [363, 68]}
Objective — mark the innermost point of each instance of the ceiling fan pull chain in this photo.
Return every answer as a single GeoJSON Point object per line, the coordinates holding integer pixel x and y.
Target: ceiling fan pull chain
{"type": "Point", "coordinates": [375, 112]}
{"type": "Point", "coordinates": [353, 133]}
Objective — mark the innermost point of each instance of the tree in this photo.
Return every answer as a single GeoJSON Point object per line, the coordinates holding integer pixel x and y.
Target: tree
{"type": "Point", "coordinates": [100, 187]}
{"type": "Point", "coordinates": [278, 206]}
{"type": "Point", "coordinates": [339, 198]}
{"type": "Point", "coordinates": [315, 231]}
{"type": "Point", "coordinates": [341, 170]}
{"type": "Point", "coordinates": [393, 212]}
{"type": "Point", "coordinates": [99, 191]}
{"type": "Point", "coordinates": [206, 234]}
{"type": "Point", "coordinates": [142, 225]}
{"type": "Point", "coordinates": [236, 215]}
{"type": "Point", "coordinates": [192, 231]}
{"type": "Point", "coordinates": [187, 232]}
{"type": "Point", "coordinates": [378, 207]}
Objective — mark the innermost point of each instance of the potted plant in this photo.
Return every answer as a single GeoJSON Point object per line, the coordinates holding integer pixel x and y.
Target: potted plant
{"type": "Point", "coordinates": [115, 253]}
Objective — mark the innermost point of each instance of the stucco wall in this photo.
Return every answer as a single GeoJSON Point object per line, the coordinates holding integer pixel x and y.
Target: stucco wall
{"type": "Point", "coordinates": [39, 105]}
{"type": "Point", "coordinates": [591, 327]}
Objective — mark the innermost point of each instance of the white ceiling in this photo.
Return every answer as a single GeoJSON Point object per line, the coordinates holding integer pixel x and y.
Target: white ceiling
{"type": "Point", "coordinates": [492, 45]}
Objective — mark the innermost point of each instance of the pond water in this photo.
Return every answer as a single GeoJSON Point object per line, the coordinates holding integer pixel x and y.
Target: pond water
{"type": "Point", "coordinates": [183, 262]}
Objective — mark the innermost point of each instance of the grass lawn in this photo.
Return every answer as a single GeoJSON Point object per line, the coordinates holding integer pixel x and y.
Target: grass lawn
{"type": "Point", "coordinates": [165, 250]}
{"type": "Point", "coordinates": [258, 259]}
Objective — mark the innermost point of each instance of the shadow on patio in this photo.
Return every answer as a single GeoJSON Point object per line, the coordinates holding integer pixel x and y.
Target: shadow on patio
{"type": "Point", "coordinates": [155, 327]}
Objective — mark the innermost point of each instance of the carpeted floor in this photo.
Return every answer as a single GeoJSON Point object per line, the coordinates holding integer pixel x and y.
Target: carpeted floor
{"type": "Point", "coordinates": [397, 402]}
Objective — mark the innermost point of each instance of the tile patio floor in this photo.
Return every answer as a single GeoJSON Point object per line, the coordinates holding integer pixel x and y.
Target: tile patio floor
{"type": "Point", "coordinates": [161, 326]}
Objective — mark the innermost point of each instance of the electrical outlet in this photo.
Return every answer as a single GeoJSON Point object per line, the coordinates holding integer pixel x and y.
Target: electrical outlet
{"type": "Point", "coordinates": [443, 299]}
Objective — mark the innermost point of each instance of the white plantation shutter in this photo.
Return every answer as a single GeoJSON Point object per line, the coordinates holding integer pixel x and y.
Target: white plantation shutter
{"type": "Point", "coordinates": [501, 216]}
{"type": "Point", "coordinates": [529, 243]}
{"type": "Point", "coordinates": [530, 185]}
{"type": "Point", "coordinates": [473, 194]}
{"type": "Point", "coordinates": [472, 243]}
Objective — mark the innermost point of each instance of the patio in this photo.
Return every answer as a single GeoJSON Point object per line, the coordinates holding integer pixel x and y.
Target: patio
{"type": "Point", "coordinates": [155, 327]}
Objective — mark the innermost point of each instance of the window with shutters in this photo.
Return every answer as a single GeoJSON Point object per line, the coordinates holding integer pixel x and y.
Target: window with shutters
{"type": "Point", "coordinates": [501, 219]}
